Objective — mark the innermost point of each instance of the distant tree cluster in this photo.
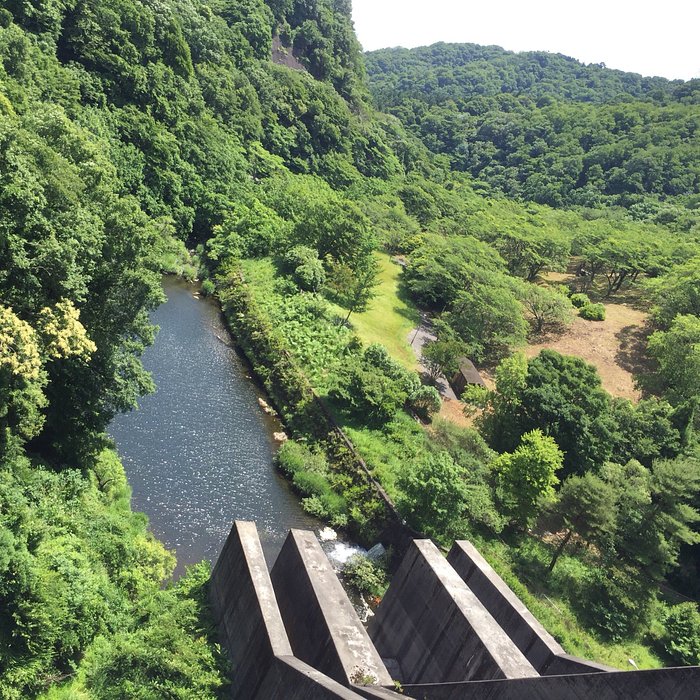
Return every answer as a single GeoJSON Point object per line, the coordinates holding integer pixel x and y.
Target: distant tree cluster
{"type": "Point", "coordinates": [545, 128]}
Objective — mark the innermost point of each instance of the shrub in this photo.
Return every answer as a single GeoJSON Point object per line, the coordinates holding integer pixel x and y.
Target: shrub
{"type": "Point", "coordinates": [682, 638]}
{"type": "Point", "coordinates": [434, 495]}
{"type": "Point", "coordinates": [208, 288]}
{"type": "Point", "coordinates": [617, 601]}
{"type": "Point", "coordinates": [592, 312]}
{"type": "Point", "coordinates": [365, 576]}
{"type": "Point", "coordinates": [329, 507]}
{"type": "Point", "coordinates": [579, 300]}
{"type": "Point", "coordinates": [425, 401]}
{"type": "Point", "coordinates": [291, 457]}
{"type": "Point", "coordinates": [165, 654]}
{"type": "Point", "coordinates": [310, 276]}
{"type": "Point", "coordinates": [311, 483]}
{"type": "Point", "coordinates": [368, 394]}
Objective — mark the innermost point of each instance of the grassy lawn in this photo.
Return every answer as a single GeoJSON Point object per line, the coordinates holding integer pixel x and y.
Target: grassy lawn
{"type": "Point", "coordinates": [389, 318]}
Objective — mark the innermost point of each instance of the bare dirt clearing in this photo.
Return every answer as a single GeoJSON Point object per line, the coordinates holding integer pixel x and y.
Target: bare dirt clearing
{"type": "Point", "coordinates": [614, 346]}
{"type": "Point", "coordinates": [452, 410]}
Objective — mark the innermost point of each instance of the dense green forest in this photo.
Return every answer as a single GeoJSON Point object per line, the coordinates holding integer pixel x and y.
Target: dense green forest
{"type": "Point", "coordinates": [134, 131]}
{"type": "Point", "coordinates": [546, 128]}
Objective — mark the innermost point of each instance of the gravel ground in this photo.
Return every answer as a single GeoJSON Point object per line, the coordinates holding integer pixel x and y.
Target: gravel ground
{"type": "Point", "coordinates": [417, 338]}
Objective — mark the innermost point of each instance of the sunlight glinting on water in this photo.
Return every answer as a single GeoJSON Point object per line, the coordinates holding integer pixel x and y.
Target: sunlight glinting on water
{"type": "Point", "coordinates": [198, 453]}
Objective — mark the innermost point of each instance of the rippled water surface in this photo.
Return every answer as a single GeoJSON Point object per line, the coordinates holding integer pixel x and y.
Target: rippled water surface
{"type": "Point", "coordinates": [198, 452]}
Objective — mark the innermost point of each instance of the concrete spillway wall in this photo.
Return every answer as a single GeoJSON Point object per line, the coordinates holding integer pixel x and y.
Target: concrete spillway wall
{"type": "Point", "coordinates": [437, 630]}
{"type": "Point", "coordinates": [322, 624]}
{"type": "Point", "coordinates": [538, 646]}
{"type": "Point", "coordinates": [251, 627]}
{"type": "Point", "coordinates": [452, 629]}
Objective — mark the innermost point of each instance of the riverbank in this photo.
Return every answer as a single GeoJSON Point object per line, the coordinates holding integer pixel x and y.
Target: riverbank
{"type": "Point", "coordinates": [367, 508]}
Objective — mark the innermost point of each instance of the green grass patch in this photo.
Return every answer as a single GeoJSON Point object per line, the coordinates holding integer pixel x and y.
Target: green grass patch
{"type": "Point", "coordinates": [390, 316]}
{"type": "Point", "coordinates": [387, 451]}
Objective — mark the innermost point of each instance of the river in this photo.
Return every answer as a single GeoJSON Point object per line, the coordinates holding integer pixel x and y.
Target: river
{"type": "Point", "coordinates": [198, 452]}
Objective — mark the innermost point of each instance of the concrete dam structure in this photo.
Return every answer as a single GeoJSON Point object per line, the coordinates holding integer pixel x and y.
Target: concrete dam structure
{"type": "Point", "coordinates": [447, 629]}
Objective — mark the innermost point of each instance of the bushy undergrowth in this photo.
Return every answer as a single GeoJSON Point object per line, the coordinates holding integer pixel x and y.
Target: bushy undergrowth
{"type": "Point", "coordinates": [555, 600]}
{"type": "Point", "coordinates": [80, 579]}
{"type": "Point", "coordinates": [579, 300]}
{"type": "Point", "coordinates": [592, 312]}
{"type": "Point", "coordinates": [312, 478]}
{"type": "Point", "coordinates": [365, 576]}
{"type": "Point", "coordinates": [681, 638]}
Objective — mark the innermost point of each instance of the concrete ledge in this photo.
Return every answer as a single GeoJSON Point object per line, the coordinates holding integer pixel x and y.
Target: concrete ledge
{"type": "Point", "coordinates": [436, 628]}
{"type": "Point", "coordinates": [533, 640]}
{"type": "Point", "coordinates": [657, 684]}
{"type": "Point", "coordinates": [245, 610]}
{"type": "Point", "coordinates": [321, 623]}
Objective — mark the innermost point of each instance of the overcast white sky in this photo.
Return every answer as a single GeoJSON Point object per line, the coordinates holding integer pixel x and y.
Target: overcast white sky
{"type": "Point", "coordinates": [652, 37]}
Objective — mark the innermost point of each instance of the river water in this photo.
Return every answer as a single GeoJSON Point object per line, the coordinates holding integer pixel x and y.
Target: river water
{"type": "Point", "coordinates": [198, 452]}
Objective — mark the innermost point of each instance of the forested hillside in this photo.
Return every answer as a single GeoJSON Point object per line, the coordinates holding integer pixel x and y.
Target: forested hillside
{"type": "Point", "coordinates": [138, 137]}
{"type": "Point", "coordinates": [126, 129]}
{"type": "Point", "coordinates": [546, 128]}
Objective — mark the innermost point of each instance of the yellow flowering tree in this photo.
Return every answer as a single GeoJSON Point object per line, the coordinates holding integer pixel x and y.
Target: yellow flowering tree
{"type": "Point", "coordinates": [62, 333]}
{"type": "Point", "coordinates": [24, 352]}
{"type": "Point", "coordinates": [22, 378]}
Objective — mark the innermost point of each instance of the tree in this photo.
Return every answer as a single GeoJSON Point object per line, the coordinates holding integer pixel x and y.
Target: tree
{"type": "Point", "coordinates": [373, 387]}
{"type": "Point", "coordinates": [22, 379]}
{"type": "Point", "coordinates": [677, 352]}
{"type": "Point", "coordinates": [441, 356]}
{"type": "Point", "coordinates": [441, 266]}
{"type": "Point", "coordinates": [425, 401]}
{"type": "Point", "coordinates": [654, 512]}
{"type": "Point", "coordinates": [681, 640]}
{"type": "Point", "coordinates": [561, 395]}
{"type": "Point", "coordinates": [251, 230]}
{"type": "Point", "coordinates": [620, 253]}
{"type": "Point", "coordinates": [546, 308]}
{"type": "Point", "coordinates": [433, 496]}
{"type": "Point", "coordinates": [488, 317]}
{"type": "Point", "coordinates": [527, 477]}
{"type": "Point", "coordinates": [353, 289]}
{"type": "Point", "coordinates": [676, 293]}
{"type": "Point", "coordinates": [25, 354]}
{"type": "Point", "coordinates": [647, 430]}
{"type": "Point", "coordinates": [527, 244]}
{"type": "Point", "coordinates": [586, 506]}
{"type": "Point", "coordinates": [305, 267]}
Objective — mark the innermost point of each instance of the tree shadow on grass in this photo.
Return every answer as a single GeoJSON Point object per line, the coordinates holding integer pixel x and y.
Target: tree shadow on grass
{"type": "Point", "coordinates": [410, 310]}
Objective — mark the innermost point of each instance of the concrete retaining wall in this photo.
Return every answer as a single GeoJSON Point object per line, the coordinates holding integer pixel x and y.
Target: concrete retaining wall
{"type": "Point", "coordinates": [538, 646]}
{"type": "Point", "coordinates": [250, 625]}
{"type": "Point", "coordinates": [291, 679]}
{"type": "Point", "coordinates": [658, 684]}
{"type": "Point", "coordinates": [321, 623]}
{"type": "Point", "coordinates": [436, 628]}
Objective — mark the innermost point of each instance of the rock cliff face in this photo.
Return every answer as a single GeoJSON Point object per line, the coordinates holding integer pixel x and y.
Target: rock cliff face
{"type": "Point", "coordinates": [283, 55]}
